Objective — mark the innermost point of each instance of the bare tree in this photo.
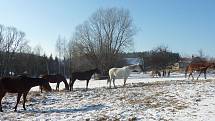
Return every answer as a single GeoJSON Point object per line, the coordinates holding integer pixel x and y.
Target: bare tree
{"type": "Point", "coordinates": [202, 54]}
{"type": "Point", "coordinates": [38, 50]}
{"type": "Point", "coordinates": [1, 37]}
{"type": "Point", "coordinates": [10, 42]}
{"type": "Point", "coordinates": [61, 49]}
{"type": "Point", "coordinates": [106, 34]}
{"type": "Point", "coordinates": [159, 58]}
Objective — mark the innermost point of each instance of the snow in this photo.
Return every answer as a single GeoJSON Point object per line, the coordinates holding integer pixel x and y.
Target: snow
{"type": "Point", "coordinates": [143, 98]}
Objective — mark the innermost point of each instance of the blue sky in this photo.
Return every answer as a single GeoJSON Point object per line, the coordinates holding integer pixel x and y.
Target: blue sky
{"type": "Point", "coordinates": [185, 26]}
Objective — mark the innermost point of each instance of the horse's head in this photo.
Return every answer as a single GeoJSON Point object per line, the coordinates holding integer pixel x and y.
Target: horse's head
{"type": "Point", "coordinates": [45, 85]}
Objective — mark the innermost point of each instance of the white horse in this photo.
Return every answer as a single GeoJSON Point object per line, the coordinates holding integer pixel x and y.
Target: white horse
{"type": "Point", "coordinates": [122, 73]}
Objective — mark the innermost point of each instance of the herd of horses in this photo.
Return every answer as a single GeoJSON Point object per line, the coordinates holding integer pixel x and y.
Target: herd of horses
{"type": "Point", "coordinates": [22, 84]}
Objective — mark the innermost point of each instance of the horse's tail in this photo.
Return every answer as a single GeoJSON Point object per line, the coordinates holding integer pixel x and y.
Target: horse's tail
{"type": "Point", "coordinates": [186, 71]}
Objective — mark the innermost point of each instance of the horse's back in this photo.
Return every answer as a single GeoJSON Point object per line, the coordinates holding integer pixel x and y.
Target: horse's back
{"type": "Point", "coordinates": [85, 75]}
{"type": "Point", "coordinates": [118, 72]}
{"type": "Point", "coordinates": [197, 66]}
{"type": "Point", "coordinates": [54, 78]}
{"type": "Point", "coordinates": [13, 84]}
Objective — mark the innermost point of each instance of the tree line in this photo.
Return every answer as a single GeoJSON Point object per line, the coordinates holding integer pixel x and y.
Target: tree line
{"type": "Point", "coordinates": [99, 42]}
{"type": "Point", "coordinates": [17, 57]}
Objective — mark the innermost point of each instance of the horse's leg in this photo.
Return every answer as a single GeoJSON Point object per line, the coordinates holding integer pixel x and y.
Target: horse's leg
{"type": "Point", "coordinates": [2, 94]}
{"type": "Point", "coordinates": [168, 73]}
{"type": "Point", "coordinates": [41, 89]}
{"type": "Point", "coordinates": [190, 75]}
{"type": "Point", "coordinates": [114, 83]}
{"type": "Point", "coordinates": [71, 83]}
{"type": "Point", "coordinates": [199, 74]}
{"type": "Point", "coordinates": [57, 86]}
{"type": "Point", "coordinates": [87, 84]}
{"type": "Point", "coordinates": [164, 73]}
{"type": "Point", "coordinates": [66, 84]}
{"type": "Point", "coordinates": [110, 82]}
{"type": "Point", "coordinates": [18, 99]}
{"type": "Point", "coordinates": [24, 99]}
{"type": "Point", "coordinates": [125, 80]}
{"type": "Point", "coordinates": [205, 73]}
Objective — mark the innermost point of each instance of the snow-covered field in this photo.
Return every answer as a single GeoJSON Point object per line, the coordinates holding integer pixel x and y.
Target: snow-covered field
{"type": "Point", "coordinates": [143, 98]}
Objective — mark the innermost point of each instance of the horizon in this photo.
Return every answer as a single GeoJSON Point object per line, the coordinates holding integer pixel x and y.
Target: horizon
{"type": "Point", "coordinates": [183, 26]}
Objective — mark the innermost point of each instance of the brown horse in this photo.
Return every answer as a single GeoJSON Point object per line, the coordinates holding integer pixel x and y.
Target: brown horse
{"type": "Point", "coordinates": [57, 78]}
{"type": "Point", "coordinates": [85, 75]}
{"type": "Point", "coordinates": [20, 85]}
{"type": "Point", "coordinates": [201, 67]}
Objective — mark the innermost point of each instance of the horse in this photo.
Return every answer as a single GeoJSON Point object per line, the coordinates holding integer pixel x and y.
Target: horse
{"type": "Point", "coordinates": [57, 78]}
{"type": "Point", "coordinates": [20, 85]}
{"type": "Point", "coordinates": [86, 75]}
{"type": "Point", "coordinates": [201, 67]}
{"type": "Point", "coordinates": [155, 73]}
{"type": "Point", "coordinates": [123, 72]}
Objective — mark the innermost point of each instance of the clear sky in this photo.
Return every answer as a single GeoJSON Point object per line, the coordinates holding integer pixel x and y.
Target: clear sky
{"type": "Point", "coordinates": [185, 26]}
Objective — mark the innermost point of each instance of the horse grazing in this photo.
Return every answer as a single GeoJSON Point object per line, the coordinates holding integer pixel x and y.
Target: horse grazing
{"type": "Point", "coordinates": [201, 67]}
{"type": "Point", "coordinates": [57, 78]}
{"type": "Point", "coordinates": [86, 75]}
{"type": "Point", "coordinates": [20, 85]}
{"type": "Point", "coordinates": [123, 72]}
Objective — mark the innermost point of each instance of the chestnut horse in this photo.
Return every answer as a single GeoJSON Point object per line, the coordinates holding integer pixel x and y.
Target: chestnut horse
{"type": "Point", "coordinates": [85, 75]}
{"type": "Point", "coordinates": [57, 78]}
{"type": "Point", "coordinates": [201, 67]}
{"type": "Point", "coordinates": [20, 85]}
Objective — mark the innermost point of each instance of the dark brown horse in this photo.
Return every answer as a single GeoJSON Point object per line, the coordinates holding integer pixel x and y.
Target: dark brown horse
{"type": "Point", "coordinates": [20, 85]}
{"type": "Point", "coordinates": [201, 67]}
{"type": "Point", "coordinates": [86, 75]}
{"type": "Point", "coordinates": [57, 78]}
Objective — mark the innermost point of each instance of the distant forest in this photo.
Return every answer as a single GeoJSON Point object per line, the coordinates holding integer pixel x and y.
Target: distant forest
{"type": "Point", "coordinates": [35, 65]}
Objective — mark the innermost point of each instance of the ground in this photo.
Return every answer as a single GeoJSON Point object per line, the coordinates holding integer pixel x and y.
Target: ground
{"type": "Point", "coordinates": [143, 98]}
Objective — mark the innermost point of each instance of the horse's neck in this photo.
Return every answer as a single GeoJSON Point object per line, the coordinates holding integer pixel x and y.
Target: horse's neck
{"type": "Point", "coordinates": [128, 69]}
{"type": "Point", "coordinates": [131, 67]}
